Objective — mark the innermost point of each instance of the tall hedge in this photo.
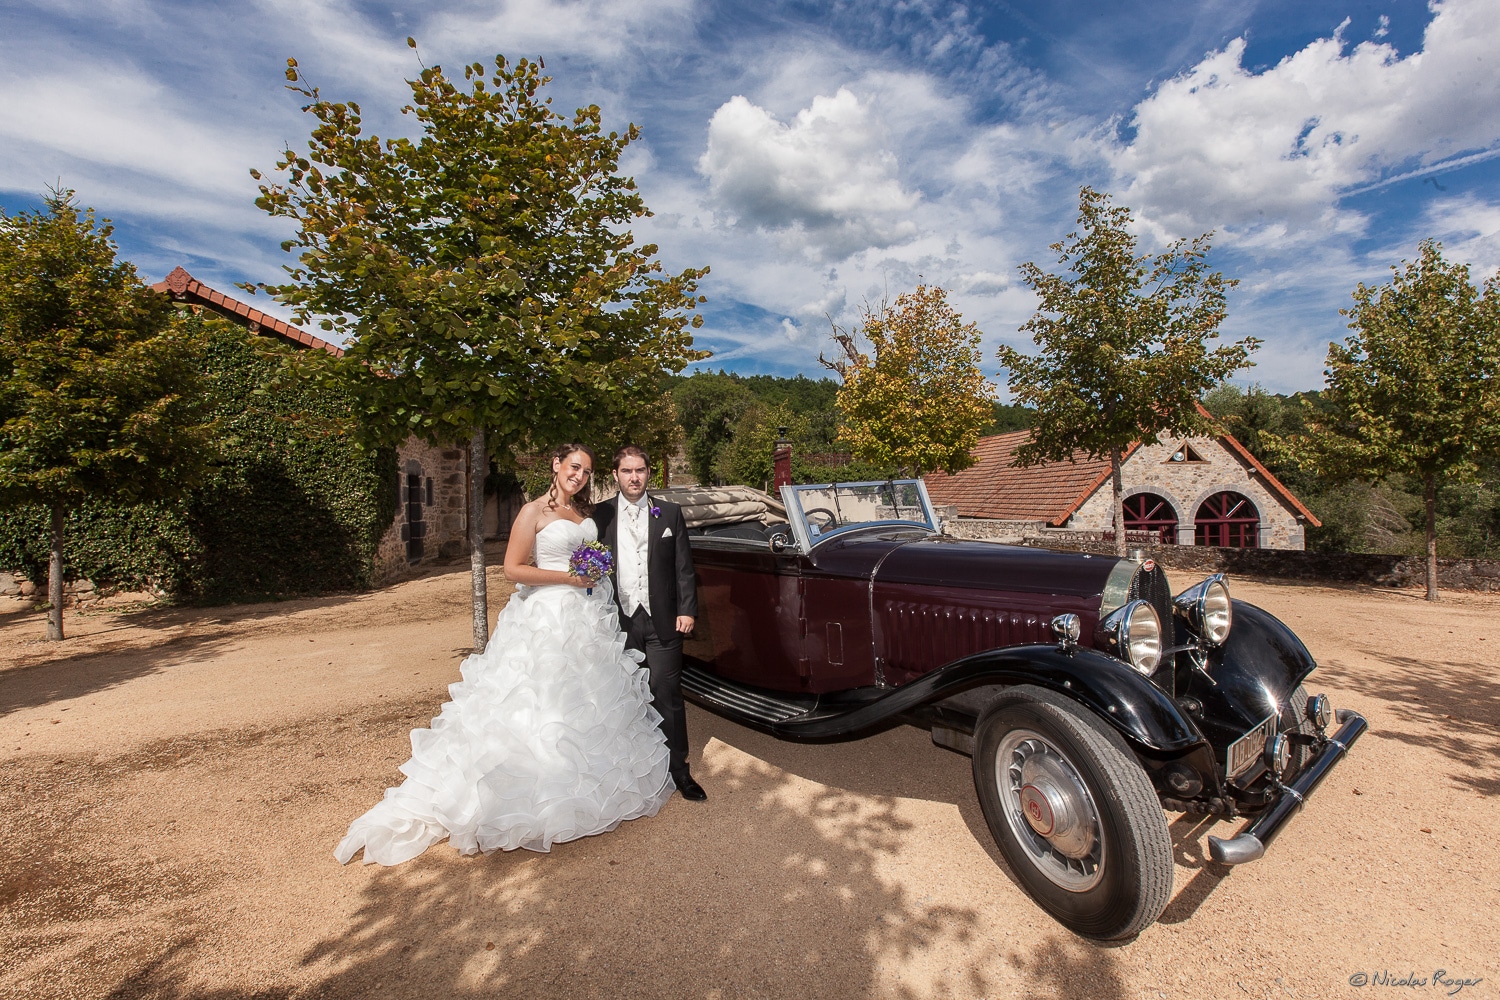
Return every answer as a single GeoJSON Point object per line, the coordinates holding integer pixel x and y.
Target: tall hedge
{"type": "Point", "coordinates": [290, 507]}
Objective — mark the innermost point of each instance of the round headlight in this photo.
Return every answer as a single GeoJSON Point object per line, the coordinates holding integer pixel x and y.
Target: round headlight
{"type": "Point", "coordinates": [1133, 633]}
{"type": "Point", "coordinates": [1067, 628]}
{"type": "Point", "coordinates": [1217, 612]}
{"type": "Point", "coordinates": [1207, 608]}
{"type": "Point", "coordinates": [1320, 711]}
{"type": "Point", "coordinates": [1143, 637]}
{"type": "Point", "coordinates": [1278, 754]}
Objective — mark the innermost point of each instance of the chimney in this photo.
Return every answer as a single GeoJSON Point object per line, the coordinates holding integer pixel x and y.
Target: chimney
{"type": "Point", "coordinates": [781, 458]}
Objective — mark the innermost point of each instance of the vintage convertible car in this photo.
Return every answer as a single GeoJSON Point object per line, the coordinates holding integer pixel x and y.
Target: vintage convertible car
{"type": "Point", "coordinates": [1088, 695]}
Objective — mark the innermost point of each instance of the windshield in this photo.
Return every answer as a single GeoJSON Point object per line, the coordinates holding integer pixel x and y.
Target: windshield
{"type": "Point", "coordinates": [819, 511]}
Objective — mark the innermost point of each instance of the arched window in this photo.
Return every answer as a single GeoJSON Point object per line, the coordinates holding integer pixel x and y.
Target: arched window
{"type": "Point", "coordinates": [1149, 512]}
{"type": "Point", "coordinates": [1227, 519]}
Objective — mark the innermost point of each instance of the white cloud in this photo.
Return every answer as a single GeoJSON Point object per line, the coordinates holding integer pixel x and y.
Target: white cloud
{"type": "Point", "coordinates": [827, 175]}
{"type": "Point", "coordinates": [601, 29]}
{"type": "Point", "coordinates": [116, 118]}
{"type": "Point", "coordinates": [1222, 146]}
{"type": "Point", "coordinates": [1469, 230]}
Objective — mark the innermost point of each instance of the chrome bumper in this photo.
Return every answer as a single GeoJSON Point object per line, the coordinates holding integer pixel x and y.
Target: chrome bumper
{"type": "Point", "coordinates": [1251, 843]}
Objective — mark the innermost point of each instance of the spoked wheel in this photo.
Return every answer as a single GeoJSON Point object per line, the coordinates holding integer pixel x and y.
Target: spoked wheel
{"type": "Point", "coordinates": [1073, 813]}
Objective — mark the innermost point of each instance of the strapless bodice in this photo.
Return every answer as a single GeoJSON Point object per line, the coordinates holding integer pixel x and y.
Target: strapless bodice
{"type": "Point", "coordinates": [556, 543]}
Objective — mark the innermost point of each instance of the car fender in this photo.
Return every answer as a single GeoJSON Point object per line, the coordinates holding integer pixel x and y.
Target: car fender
{"type": "Point", "coordinates": [1250, 676]}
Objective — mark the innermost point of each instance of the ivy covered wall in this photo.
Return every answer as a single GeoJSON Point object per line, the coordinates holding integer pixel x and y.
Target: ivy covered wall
{"type": "Point", "coordinates": [289, 508]}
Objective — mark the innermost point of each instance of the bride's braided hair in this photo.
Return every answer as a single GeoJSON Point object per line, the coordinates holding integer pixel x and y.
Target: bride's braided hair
{"type": "Point", "coordinates": [582, 500]}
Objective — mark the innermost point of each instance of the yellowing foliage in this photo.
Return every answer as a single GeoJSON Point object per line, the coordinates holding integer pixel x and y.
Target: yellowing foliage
{"type": "Point", "coordinates": [919, 402]}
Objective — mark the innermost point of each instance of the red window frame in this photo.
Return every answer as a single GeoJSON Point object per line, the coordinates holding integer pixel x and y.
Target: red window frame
{"type": "Point", "coordinates": [1229, 520]}
{"type": "Point", "coordinates": [1151, 512]}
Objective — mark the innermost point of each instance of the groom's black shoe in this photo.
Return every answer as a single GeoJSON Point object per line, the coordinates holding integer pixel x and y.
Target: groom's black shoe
{"type": "Point", "coordinates": [690, 789]}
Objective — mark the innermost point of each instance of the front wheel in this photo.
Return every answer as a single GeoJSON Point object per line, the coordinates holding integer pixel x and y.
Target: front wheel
{"type": "Point", "coordinates": [1294, 720]}
{"type": "Point", "coordinates": [1073, 813]}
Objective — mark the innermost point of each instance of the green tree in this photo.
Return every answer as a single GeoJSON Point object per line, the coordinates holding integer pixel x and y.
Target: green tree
{"type": "Point", "coordinates": [918, 404]}
{"type": "Point", "coordinates": [652, 425]}
{"type": "Point", "coordinates": [1415, 390]}
{"type": "Point", "coordinates": [709, 407]}
{"type": "Point", "coordinates": [1124, 344]}
{"type": "Point", "coordinates": [746, 457]}
{"type": "Point", "coordinates": [482, 274]}
{"type": "Point", "coordinates": [99, 386]}
{"type": "Point", "coordinates": [1007, 417]}
{"type": "Point", "coordinates": [1252, 415]}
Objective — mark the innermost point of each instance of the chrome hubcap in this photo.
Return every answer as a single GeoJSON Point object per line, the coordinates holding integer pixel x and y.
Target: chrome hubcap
{"type": "Point", "coordinates": [1049, 810]}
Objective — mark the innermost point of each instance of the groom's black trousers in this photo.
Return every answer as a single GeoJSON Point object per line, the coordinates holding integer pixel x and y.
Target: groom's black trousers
{"type": "Point", "coordinates": [664, 660]}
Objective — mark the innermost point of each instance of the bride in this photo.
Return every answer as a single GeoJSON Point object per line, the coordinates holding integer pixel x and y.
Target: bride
{"type": "Point", "coordinates": [550, 735]}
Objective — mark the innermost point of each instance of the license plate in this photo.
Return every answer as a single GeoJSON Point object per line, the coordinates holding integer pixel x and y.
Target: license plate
{"type": "Point", "coordinates": [1246, 750]}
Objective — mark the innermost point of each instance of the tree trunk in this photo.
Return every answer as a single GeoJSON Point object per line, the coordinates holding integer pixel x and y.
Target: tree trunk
{"type": "Point", "coordinates": [479, 468]}
{"type": "Point", "coordinates": [55, 577]}
{"type": "Point", "coordinates": [1119, 501]}
{"type": "Point", "coordinates": [1431, 497]}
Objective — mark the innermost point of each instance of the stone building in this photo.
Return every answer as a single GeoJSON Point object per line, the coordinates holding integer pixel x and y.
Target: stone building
{"type": "Point", "coordinates": [431, 484]}
{"type": "Point", "coordinates": [1184, 490]}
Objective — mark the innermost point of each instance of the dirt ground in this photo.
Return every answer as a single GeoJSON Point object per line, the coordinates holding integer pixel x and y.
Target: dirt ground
{"type": "Point", "coordinates": [175, 781]}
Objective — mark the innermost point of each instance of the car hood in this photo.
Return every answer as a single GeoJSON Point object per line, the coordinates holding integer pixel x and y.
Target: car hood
{"type": "Point", "coordinates": [941, 561]}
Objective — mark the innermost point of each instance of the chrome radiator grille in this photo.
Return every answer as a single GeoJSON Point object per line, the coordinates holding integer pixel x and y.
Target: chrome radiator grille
{"type": "Point", "coordinates": [1151, 585]}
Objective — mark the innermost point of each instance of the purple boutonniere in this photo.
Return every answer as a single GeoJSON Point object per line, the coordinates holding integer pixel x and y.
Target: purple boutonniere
{"type": "Point", "coordinates": [655, 511]}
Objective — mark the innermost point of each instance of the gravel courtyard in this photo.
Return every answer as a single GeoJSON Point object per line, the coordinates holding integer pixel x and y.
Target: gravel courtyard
{"type": "Point", "coordinates": [175, 781]}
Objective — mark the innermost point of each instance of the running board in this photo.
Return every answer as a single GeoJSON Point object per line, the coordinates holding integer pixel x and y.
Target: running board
{"type": "Point", "coordinates": [736, 700]}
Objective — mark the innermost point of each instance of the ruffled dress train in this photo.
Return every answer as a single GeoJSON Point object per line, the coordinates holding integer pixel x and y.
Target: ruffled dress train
{"type": "Point", "coordinates": [550, 735]}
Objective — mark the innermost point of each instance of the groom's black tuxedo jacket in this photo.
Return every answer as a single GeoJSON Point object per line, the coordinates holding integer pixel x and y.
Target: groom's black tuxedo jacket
{"type": "Point", "coordinates": [669, 563]}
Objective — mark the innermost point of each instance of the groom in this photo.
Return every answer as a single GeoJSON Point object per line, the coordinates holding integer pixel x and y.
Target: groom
{"type": "Point", "coordinates": [657, 594]}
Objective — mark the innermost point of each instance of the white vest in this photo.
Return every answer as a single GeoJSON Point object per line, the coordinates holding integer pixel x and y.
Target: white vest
{"type": "Point", "coordinates": [633, 533]}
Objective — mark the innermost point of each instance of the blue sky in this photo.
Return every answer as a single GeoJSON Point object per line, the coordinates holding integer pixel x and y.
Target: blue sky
{"type": "Point", "coordinates": [820, 155]}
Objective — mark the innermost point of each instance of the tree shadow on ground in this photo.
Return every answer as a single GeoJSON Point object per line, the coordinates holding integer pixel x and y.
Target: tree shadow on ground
{"type": "Point", "coordinates": [17, 612]}
{"type": "Point", "coordinates": [56, 680]}
{"type": "Point", "coordinates": [144, 641]}
{"type": "Point", "coordinates": [109, 885]}
{"type": "Point", "coordinates": [1451, 707]}
{"type": "Point", "coordinates": [777, 887]}
{"type": "Point", "coordinates": [935, 774]}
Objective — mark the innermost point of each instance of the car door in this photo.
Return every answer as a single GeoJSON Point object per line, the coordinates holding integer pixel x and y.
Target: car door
{"type": "Point", "coordinates": [840, 642]}
{"type": "Point", "coordinates": [751, 626]}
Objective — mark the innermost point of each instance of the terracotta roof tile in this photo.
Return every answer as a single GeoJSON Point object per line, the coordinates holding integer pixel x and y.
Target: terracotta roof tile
{"type": "Point", "coordinates": [992, 487]}
{"type": "Point", "coordinates": [185, 288]}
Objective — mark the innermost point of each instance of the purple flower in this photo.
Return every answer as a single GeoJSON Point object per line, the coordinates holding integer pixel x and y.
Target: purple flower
{"type": "Point", "coordinates": [656, 512]}
{"type": "Point", "coordinates": [592, 561]}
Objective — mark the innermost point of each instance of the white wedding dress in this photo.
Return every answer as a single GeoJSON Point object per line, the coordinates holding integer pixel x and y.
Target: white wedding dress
{"type": "Point", "coordinates": [550, 735]}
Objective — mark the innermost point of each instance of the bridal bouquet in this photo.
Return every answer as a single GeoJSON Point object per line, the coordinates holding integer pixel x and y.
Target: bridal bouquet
{"type": "Point", "coordinates": [592, 561]}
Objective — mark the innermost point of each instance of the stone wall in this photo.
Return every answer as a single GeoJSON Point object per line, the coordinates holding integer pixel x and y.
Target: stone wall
{"type": "Point", "coordinates": [1188, 484]}
{"type": "Point", "coordinates": [1283, 564]}
{"type": "Point", "coordinates": [1314, 567]}
{"type": "Point", "coordinates": [76, 593]}
{"type": "Point", "coordinates": [435, 513]}
{"type": "Point", "coordinates": [990, 530]}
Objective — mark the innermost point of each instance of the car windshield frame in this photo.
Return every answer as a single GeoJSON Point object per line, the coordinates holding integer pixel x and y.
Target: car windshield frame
{"type": "Point", "coordinates": [844, 500]}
